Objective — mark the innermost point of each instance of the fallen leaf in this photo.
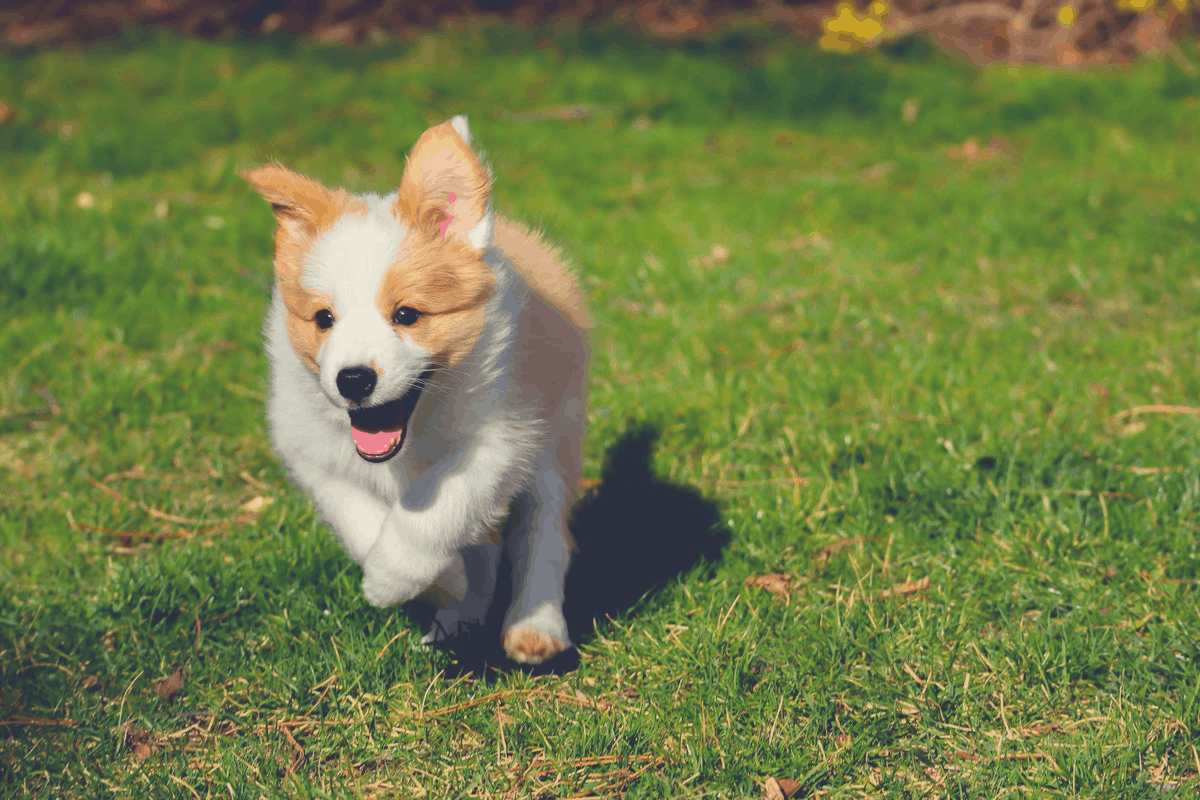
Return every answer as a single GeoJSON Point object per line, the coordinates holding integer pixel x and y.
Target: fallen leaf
{"type": "Point", "coordinates": [1133, 428]}
{"type": "Point", "coordinates": [877, 172]}
{"type": "Point", "coordinates": [169, 686]}
{"type": "Point", "coordinates": [90, 682]}
{"type": "Point", "coordinates": [826, 552]}
{"type": "Point", "coordinates": [780, 789]}
{"type": "Point", "coordinates": [775, 583]}
{"type": "Point", "coordinates": [971, 151]}
{"type": "Point", "coordinates": [137, 739]}
{"type": "Point", "coordinates": [258, 504]}
{"type": "Point", "coordinates": [908, 587]}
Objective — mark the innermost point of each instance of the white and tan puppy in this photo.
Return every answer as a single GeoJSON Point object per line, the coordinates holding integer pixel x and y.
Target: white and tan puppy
{"type": "Point", "coordinates": [427, 374]}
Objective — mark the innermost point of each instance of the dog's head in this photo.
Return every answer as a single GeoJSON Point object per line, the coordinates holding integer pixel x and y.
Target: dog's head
{"type": "Point", "coordinates": [381, 293]}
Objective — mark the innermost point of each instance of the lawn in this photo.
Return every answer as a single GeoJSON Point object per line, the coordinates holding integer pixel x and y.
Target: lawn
{"type": "Point", "coordinates": [909, 346]}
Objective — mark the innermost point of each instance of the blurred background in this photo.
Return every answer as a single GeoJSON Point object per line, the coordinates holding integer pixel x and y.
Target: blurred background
{"type": "Point", "coordinates": [1058, 32]}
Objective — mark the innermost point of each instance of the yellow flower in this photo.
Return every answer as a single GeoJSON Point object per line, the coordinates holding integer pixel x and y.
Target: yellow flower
{"type": "Point", "coordinates": [1139, 6]}
{"type": "Point", "coordinates": [1066, 16]}
{"type": "Point", "coordinates": [879, 9]}
{"type": "Point", "coordinates": [846, 30]}
{"type": "Point", "coordinates": [1182, 5]}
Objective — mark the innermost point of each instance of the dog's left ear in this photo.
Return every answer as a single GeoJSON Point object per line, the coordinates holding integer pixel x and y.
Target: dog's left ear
{"type": "Point", "coordinates": [445, 188]}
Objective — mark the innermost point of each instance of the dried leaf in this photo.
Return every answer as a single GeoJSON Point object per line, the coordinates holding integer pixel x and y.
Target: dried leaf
{"type": "Point", "coordinates": [877, 172]}
{"type": "Point", "coordinates": [90, 682]}
{"type": "Point", "coordinates": [258, 504]}
{"type": "Point", "coordinates": [775, 583]}
{"type": "Point", "coordinates": [908, 587]}
{"type": "Point", "coordinates": [780, 789]}
{"type": "Point", "coordinates": [826, 552]}
{"type": "Point", "coordinates": [141, 751]}
{"type": "Point", "coordinates": [169, 686]}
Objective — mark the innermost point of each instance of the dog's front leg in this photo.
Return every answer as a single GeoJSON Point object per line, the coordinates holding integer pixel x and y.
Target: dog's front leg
{"type": "Point", "coordinates": [405, 560]}
{"type": "Point", "coordinates": [355, 516]}
{"type": "Point", "coordinates": [445, 509]}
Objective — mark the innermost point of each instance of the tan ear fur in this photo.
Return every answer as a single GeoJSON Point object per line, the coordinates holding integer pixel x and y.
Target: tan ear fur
{"type": "Point", "coordinates": [445, 189]}
{"type": "Point", "coordinates": [304, 209]}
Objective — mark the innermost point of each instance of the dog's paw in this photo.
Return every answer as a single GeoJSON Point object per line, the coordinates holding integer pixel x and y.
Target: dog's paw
{"type": "Point", "coordinates": [383, 588]}
{"type": "Point", "coordinates": [530, 646]}
{"type": "Point", "coordinates": [450, 626]}
{"type": "Point", "coordinates": [538, 636]}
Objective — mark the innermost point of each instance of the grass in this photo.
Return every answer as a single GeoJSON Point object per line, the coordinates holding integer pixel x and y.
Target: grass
{"type": "Point", "coordinates": [827, 349]}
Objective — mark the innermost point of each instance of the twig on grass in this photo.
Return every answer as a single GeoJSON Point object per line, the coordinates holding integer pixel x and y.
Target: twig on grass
{"type": "Point", "coordinates": [508, 694]}
{"type": "Point", "coordinates": [906, 588]}
{"type": "Point", "coordinates": [298, 754]}
{"type": "Point", "coordinates": [52, 409]}
{"type": "Point", "coordinates": [1136, 470]}
{"type": "Point", "coordinates": [766, 481]}
{"type": "Point", "coordinates": [238, 608]}
{"type": "Point", "coordinates": [826, 552]}
{"type": "Point", "coordinates": [389, 644]}
{"type": "Point", "coordinates": [963, 754]}
{"type": "Point", "coordinates": [1081, 493]}
{"type": "Point", "coordinates": [129, 536]}
{"type": "Point", "coordinates": [185, 785]}
{"type": "Point", "coordinates": [556, 113]}
{"type": "Point", "coordinates": [1188, 411]}
{"type": "Point", "coordinates": [137, 472]}
{"type": "Point", "coordinates": [154, 512]}
{"type": "Point", "coordinates": [49, 723]}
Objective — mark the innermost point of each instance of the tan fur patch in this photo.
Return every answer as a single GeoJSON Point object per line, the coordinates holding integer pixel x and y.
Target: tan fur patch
{"type": "Point", "coordinates": [529, 646]}
{"type": "Point", "coordinates": [304, 209]}
{"type": "Point", "coordinates": [439, 165]}
{"type": "Point", "coordinates": [542, 268]}
{"type": "Point", "coordinates": [449, 284]}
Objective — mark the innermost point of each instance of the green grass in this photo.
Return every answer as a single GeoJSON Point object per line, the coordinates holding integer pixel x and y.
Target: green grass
{"type": "Point", "coordinates": [902, 366]}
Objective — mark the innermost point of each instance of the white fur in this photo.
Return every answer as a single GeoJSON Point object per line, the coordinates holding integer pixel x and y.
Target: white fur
{"type": "Point", "coordinates": [475, 442]}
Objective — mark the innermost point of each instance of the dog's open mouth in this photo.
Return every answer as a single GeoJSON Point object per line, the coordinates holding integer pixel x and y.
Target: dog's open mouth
{"type": "Point", "coordinates": [378, 432]}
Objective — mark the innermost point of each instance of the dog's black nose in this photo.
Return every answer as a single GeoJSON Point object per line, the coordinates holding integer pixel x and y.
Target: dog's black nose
{"type": "Point", "coordinates": [356, 383]}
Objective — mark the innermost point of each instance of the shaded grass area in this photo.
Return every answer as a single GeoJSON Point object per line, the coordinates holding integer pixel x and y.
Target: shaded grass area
{"type": "Point", "coordinates": [831, 346]}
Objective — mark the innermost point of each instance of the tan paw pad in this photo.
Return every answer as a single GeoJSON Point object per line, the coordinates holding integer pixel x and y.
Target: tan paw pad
{"type": "Point", "coordinates": [530, 646]}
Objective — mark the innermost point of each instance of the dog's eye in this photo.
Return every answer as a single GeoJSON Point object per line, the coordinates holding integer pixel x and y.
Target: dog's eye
{"type": "Point", "coordinates": [406, 316]}
{"type": "Point", "coordinates": [324, 319]}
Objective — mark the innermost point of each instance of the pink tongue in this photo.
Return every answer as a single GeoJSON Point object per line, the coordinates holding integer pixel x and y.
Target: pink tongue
{"type": "Point", "coordinates": [374, 444]}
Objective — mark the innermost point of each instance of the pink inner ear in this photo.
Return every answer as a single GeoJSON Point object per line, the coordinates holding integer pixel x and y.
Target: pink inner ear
{"type": "Point", "coordinates": [449, 217]}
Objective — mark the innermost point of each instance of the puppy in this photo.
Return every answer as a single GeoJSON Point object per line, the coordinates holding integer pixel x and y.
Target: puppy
{"type": "Point", "coordinates": [427, 377]}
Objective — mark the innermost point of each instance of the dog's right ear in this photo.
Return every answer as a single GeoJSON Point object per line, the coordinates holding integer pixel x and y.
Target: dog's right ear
{"type": "Point", "coordinates": [303, 208]}
{"type": "Point", "coordinates": [446, 189]}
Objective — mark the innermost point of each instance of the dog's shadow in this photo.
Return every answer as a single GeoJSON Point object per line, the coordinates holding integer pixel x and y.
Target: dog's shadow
{"type": "Point", "coordinates": [633, 534]}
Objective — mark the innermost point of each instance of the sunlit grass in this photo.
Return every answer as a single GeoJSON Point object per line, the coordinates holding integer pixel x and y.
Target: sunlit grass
{"type": "Point", "coordinates": [897, 368]}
